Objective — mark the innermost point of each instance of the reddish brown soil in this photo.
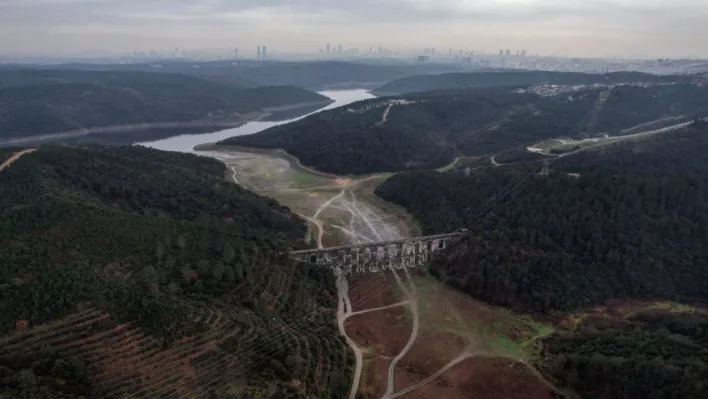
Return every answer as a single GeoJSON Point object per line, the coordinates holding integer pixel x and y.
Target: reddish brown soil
{"type": "Point", "coordinates": [385, 332]}
{"type": "Point", "coordinates": [333, 237]}
{"type": "Point", "coordinates": [431, 351]}
{"type": "Point", "coordinates": [484, 378]}
{"type": "Point", "coordinates": [371, 290]}
{"type": "Point", "coordinates": [373, 381]}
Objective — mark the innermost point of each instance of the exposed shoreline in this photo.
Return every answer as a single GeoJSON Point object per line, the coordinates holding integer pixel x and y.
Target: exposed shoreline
{"type": "Point", "coordinates": [135, 127]}
{"type": "Point", "coordinates": [279, 153]}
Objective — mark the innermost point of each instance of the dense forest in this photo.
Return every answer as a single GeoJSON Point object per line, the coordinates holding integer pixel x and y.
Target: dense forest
{"type": "Point", "coordinates": [649, 354]}
{"type": "Point", "coordinates": [515, 78]}
{"type": "Point", "coordinates": [118, 260]}
{"type": "Point", "coordinates": [631, 105]}
{"type": "Point", "coordinates": [34, 102]}
{"type": "Point", "coordinates": [623, 221]}
{"type": "Point", "coordinates": [428, 130]}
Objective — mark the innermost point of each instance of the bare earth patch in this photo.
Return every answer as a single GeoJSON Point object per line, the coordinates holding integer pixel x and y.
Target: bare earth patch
{"type": "Point", "coordinates": [373, 379]}
{"type": "Point", "coordinates": [373, 290]}
{"type": "Point", "coordinates": [484, 378]}
{"type": "Point", "coordinates": [384, 332]}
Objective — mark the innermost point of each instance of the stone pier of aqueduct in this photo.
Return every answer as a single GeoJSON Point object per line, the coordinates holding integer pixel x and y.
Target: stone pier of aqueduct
{"type": "Point", "coordinates": [378, 256]}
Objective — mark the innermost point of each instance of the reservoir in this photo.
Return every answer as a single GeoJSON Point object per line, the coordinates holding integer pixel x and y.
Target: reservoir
{"type": "Point", "coordinates": [186, 142]}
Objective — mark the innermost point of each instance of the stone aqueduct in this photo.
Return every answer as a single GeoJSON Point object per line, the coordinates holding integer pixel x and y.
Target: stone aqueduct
{"type": "Point", "coordinates": [379, 256]}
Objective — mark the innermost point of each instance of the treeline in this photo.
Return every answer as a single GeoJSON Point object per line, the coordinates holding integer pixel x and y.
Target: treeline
{"type": "Point", "coordinates": [36, 102]}
{"type": "Point", "coordinates": [650, 355]}
{"type": "Point", "coordinates": [254, 73]}
{"type": "Point", "coordinates": [428, 130]}
{"type": "Point", "coordinates": [625, 221]}
{"type": "Point", "coordinates": [450, 81]}
{"type": "Point", "coordinates": [628, 106]}
{"type": "Point", "coordinates": [157, 240]}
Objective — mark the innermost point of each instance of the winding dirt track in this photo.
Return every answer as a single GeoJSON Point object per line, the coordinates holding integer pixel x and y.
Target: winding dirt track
{"type": "Point", "coordinates": [15, 157]}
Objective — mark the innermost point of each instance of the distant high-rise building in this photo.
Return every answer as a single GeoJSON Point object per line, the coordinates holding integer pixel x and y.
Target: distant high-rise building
{"type": "Point", "coordinates": [328, 47]}
{"type": "Point", "coordinates": [501, 53]}
{"type": "Point", "coordinates": [523, 53]}
{"type": "Point", "coordinates": [339, 48]}
{"type": "Point", "coordinates": [264, 52]}
{"type": "Point", "coordinates": [258, 52]}
{"type": "Point", "coordinates": [449, 51]}
{"type": "Point", "coordinates": [369, 50]}
{"type": "Point", "coordinates": [508, 52]}
{"type": "Point", "coordinates": [235, 52]}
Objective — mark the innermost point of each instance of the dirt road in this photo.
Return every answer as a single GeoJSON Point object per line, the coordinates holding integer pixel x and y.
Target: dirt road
{"type": "Point", "coordinates": [15, 157]}
{"type": "Point", "coordinates": [342, 316]}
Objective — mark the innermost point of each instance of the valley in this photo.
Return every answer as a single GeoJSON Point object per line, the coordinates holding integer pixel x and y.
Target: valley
{"type": "Point", "coordinates": [412, 335]}
{"type": "Point", "coordinates": [584, 254]}
{"type": "Point", "coordinates": [409, 333]}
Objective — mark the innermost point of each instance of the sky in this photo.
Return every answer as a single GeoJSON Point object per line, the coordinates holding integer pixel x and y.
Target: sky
{"type": "Point", "coordinates": [591, 28]}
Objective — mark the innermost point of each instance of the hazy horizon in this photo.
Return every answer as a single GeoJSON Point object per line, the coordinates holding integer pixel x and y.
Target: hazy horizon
{"type": "Point", "coordinates": [590, 28]}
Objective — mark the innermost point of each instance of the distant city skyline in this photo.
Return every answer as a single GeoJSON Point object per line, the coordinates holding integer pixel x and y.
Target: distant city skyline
{"type": "Point", "coordinates": [591, 28]}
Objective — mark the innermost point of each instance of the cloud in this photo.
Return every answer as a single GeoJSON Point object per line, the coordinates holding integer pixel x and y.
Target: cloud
{"type": "Point", "coordinates": [571, 26]}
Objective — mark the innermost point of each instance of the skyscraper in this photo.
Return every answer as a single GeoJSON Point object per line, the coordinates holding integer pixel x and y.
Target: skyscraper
{"type": "Point", "coordinates": [501, 53]}
{"type": "Point", "coordinates": [258, 52]}
{"type": "Point", "coordinates": [508, 52]}
{"type": "Point", "coordinates": [264, 52]}
{"type": "Point", "coordinates": [235, 52]}
{"type": "Point", "coordinates": [328, 47]}
{"type": "Point", "coordinates": [339, 48]}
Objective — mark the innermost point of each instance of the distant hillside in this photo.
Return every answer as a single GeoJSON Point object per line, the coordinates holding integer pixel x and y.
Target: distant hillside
{"type": "Point", "coordinates": [428, 130]}
{"type": "Point", "coordinates": [127, 270]}
{"type": "Point", "coordinates": [516, 78]}
{"type": "Point", "coordinates": [307, 74]}
{"type": "Point", "coordinates": [31, 76]}
{"type": "Point", "coordinates": [64, 100]}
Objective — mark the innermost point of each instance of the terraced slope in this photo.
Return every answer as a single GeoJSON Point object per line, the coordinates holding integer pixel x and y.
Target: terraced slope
{"type": "Point", "coordinates": [129, 272]}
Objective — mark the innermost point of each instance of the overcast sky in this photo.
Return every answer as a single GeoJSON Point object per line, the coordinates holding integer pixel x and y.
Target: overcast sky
{"type": "Point", "coordinates": [562, 27]}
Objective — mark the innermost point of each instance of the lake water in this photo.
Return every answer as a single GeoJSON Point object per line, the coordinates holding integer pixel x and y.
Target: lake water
{"type": "Point", "coordinates": [186, 142]}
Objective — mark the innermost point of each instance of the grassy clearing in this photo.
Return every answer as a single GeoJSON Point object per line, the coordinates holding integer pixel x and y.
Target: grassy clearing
{"type": "Point", "coordinates": [547, 145]}
{"type": "Point", "coordinates": [673, 307]}
{"type": "Point", "coordinates": [489, 330]}
{"type": "Point", "coordinates": [302, 179]}
{"type": "Point", "coordinates": [449, 166]}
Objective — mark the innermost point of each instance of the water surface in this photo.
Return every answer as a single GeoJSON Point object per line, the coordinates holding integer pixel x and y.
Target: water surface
{"type": "Point", "coordinates": [186, 142]}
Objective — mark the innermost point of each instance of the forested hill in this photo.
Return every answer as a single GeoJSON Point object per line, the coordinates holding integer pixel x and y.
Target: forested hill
{"type": "Point", "coordinates": [449, 81]}
{"type": "Point", "coordinates": [623, 222]}
{"type": "Point", "coordinates": [125, 269]}
{"type": "Point", "coordinates": [428, 130]}
{"type": "Point", "coordinates": [34, 102]}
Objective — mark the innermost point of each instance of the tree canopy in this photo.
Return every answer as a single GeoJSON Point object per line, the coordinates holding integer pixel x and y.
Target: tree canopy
{"type": "Point", "coordinates": [94, 239]}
